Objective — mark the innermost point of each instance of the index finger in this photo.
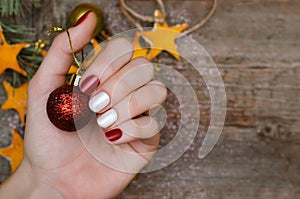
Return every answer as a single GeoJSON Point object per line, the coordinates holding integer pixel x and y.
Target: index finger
{"type": "Point", "coordinates": [112, 58]}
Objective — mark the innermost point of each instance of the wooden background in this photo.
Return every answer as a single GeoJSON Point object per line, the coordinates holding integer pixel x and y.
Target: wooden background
{"type": "Point", "coordinates": [256, 46]}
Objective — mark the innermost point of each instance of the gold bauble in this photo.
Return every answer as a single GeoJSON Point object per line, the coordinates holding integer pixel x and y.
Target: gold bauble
{"type": "Point", "coordinates": [80, 10]}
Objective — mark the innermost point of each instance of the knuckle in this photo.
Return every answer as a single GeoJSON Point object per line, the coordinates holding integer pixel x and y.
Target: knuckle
{"type": "Point", "coordinates": [160, 90]}
{"type": "Point", "coordinates": [59, 41]}
{"type": "Point", "coordinates": [126, 46]}
{"type": "Point", "coordinates": [123, 84]}
{"type": "Point", "coordinates": [144, 67]}
{"type": "Point", "coordinates": [145, 127]}
{"type": "Point", "coordinates": [134, 103]}
{"type": "Point", "coordinates": [110, 68]}
{"type": "Point", "coordinates": [154, 125]}
{"type": "Point", "coordinates": [113, 67]}
{"type": "Point", "coordinates": [135, 131]}
{"type": "Point", "coordinates": [141, 60]}
{"type": "Point", "coordinates": [149, 71]}
{"type": "Point", "coordinates": [124, 42]}
{"type": "Point", "coordinates": [145, 63]}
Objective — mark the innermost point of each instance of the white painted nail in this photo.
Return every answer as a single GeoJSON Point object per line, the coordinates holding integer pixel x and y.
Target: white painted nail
{"type": "Point", "coordinates": [108, 118]}
{"type": "Point", "coordinates": [99, 101]}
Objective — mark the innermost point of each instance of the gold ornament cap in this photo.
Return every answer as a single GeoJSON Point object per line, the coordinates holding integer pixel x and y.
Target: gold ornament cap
{"type": "Point", "coordinates": [80, 10]}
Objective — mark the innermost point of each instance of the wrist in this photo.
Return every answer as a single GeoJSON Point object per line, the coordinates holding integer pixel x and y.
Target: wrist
{"type": "Point", "coordinates": [25, 183]}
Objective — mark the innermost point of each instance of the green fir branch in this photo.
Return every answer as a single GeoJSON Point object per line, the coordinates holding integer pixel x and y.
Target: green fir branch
{"type": "Point", "coordinates": [36, 3]}
{"type": "Point", "coordinates": [30, 60]}
{"type": "Point", "coordinates": [15, 7]}
{"type": "Point", "coordinates": [17, 33]}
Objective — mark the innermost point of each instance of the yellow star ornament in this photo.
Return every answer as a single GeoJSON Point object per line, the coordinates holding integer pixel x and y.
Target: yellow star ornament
{"type": "Point", "coordinates": [9, 53]}
{"type": "Point", "coordinates": [162, 37]}
{"type": "Point", "coordinates": [16, 99]}
{"type": "Point", "coordinates": [14, 152]}
{"type": "Point", "coordinates": [138, 50]}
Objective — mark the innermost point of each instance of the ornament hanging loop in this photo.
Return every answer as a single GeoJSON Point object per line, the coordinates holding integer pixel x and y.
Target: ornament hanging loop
{"type": "Point", "coordinates": [54, 29]}
{"type": "Point", "coordinates": [145, 18]}
{"type": "Point", "coordinates": [127, 10]}
{"type": "Point", "coordinates": [77, 76]}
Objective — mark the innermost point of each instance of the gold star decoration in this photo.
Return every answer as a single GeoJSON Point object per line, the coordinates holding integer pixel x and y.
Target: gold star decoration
{"type": "Point", "coordinates": [16, 99]}
{"type": "Point", "coordinates": [40, 45]}
{"type": "Point", "coordinates": [14, 152]}
{"type": "Point", "coordinates": [9, 53]}
{"type": "Point", "coordinates": [162, 37]}
{"type": "Point", "coordinates": [138, 50]}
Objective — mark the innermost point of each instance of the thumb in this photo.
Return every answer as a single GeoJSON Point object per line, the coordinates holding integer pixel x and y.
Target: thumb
{"type": "Point", "coordinates": [53, 70]}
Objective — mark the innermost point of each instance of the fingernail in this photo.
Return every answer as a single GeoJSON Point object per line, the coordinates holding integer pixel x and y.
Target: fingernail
{"type": "Point", "coordinates": [81, 19]}
{"type": "Point", "coordinates": [89, 85]}
{"type": "Point", "coordinates": [108, 118]}
{"type": "Point", "coordinates": [99, 101]}
{"type": "Point", "coordinates": [113, 135]}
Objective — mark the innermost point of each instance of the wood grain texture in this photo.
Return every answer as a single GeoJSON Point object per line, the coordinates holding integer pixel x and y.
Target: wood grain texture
{"type": "Point", "coordinates": [255, 45]}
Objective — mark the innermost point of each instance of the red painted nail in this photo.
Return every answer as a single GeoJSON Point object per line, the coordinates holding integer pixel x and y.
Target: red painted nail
{"type": "Point", "coordinates": [113, 135]}
{"type": "Point", "coordinates": [81, 19]}
{"type": "Point", "coordinates": [89, 84]}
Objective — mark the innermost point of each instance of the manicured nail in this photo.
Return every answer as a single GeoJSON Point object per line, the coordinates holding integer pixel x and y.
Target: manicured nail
{"type": "Point", "coordinates": [81, 19]}
{"type": "Point", "coordinates": [113, 135]}
{"type": "Point", "coordinates": [99, 101]}
{"type": "Point", "coordinates": [89, 85]}
{"type": "Point", "coordinates": [108, 118]}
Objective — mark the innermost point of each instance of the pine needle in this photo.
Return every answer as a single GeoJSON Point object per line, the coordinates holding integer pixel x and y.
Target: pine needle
{"type": "Point", "coordinates": [15, 7]}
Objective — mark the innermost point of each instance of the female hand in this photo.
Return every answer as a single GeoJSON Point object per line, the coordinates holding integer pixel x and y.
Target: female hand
{"type": "Point", "coordinates": [56, 164]}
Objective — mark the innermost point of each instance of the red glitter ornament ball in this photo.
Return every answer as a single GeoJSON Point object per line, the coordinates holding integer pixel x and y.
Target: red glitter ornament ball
{"type": "Point", "coordinates": [67, 108]}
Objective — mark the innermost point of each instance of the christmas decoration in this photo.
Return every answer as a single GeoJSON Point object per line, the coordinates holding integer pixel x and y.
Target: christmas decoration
{"type": "Point", "coordinates": [162, 37]}
{"type": "Point", "coordinates": [19, 55]}
{"type": "Point", "coordinates": [14, 152]}
{"type": "Point", "coordinates": [16, 99]}
{"type": "Point", "coordinates": [67, 108]}
{"type": "Point", "coordinates": [9, 54]}
{"type": "Point", "coordinates": [67, 101]}
{"type": "Point", "coordinates": [39, 45]}
{"type": "Point", "coordinates": [23, 58]}
{"type": "Point", "coordinates": [79, 11]}
{"type": "Point", "coordinates": [139, 51]}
